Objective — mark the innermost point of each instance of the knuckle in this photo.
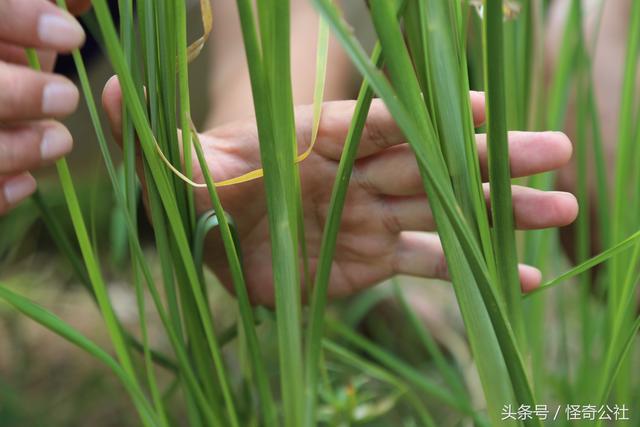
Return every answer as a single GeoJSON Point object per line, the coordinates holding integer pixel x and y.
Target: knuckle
{"type": "Point", "coordinates": [441, 270]}
{"type": "Point", "coordinates": [362, 179]}
{"type": "Point", "coordinates": [16, 149]}
{"type": "Point", "coordinates": [374, 133]}
{"type": "Point", "coordinates": [8, 159]}
{"type": "Point", "coordinates": [6, 154]}
{"type": "Point", "coordinates": [395, 262]}
{"type": "Point", "coordinates": [389, 218]}
{"type": "Point", "coordinates": [5, 83]}
{"type": "Point", "coordinates": [12, 95]}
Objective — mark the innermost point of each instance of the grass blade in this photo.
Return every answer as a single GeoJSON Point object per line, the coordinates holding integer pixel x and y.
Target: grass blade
{"type": "Point", "coordinates": [499, 170]}
{"type": "Point", "coordinates": [422, 140]}
{"type": "Point", "coordinates": [404, 370]}
{"type": "Point", "coordinates": [59, 327]}
{"type": "Point", "coordinates": [232, 249]}
{"type": "Point", "coordinates": [269, 71]}
{"type": "Point", "coordinates": [590, 263]}
{"type": "Point", "coordinates": [377, 372]}
{"type": "Point", "coordinates": [93, 267]}
{"type": "Point", "coordinates": [328, 244]}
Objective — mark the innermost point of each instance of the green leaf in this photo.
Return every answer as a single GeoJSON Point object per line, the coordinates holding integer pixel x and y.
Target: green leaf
{"type": "Point", "coordinates": [588, 264]}
{"type": "Point", "coordinates": [269, 69]}
{"type": "Point", "coordinates": [328, 244]}
{"type": "Point", "coordinates": [232, 248]}
{"type": "Point", "coordinates": [479, 304]}
{"type": "Point", "coordinates": [499, 169]}
{"type": "Point", "coordinates": [404, 371]}
{"type": "Point", "coordinates": [59, 327]}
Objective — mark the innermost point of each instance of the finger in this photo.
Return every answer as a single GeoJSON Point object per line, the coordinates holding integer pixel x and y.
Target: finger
{"type": "Point", "coordinates": [477, 107]}
{"type": "Point", "coordinates": [14, 189]}
{"type": "Point", "coordinates": [380, 130]}
{"type": "Point", "coordinates": [30, 146]}
{"type": "Point", "coordinates": [32, 95]}
{"type": "Point", "coordinates": [421, 254]}
{"type": "Point", "coordinates": [536, 209]}
{"type": "Point", "coordinates": [39, 24]}
{"type": "Point", "coordinates": [392, 172]}
{"type": "Point", "coordinates": [17, 55]}
{"type": "Point", "coordinates": [533, 209]}
{"type": "Point", "coordinates": [406, 213]}
{"type": "Point", "coordinates": [395, 172]}
{"type": "Point", "coordinates": [530, 277]}
{"type": "Point", "coordinates": [112, 104]}
{"type": "Point", "coordinates": [530, 152]}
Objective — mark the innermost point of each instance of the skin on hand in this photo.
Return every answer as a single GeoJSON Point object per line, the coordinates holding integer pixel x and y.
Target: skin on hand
{"type": "Point", "coordinates": [231, 74]}
{"type": "Point", "coordinates": [30, 100]}
{"type": "Point", "coordinates": [387, 227]}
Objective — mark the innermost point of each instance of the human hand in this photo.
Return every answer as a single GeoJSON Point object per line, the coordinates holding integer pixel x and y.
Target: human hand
{"type": "Point", "coordinates": [29, 100]}
{"type": "Point", "coordinates": [387, 226]}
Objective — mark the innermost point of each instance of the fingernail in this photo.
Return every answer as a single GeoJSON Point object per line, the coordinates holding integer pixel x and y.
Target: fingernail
{"type": "Point", "coordinates": [18, 188]}
{"type": "Point", "coordinates": [564, 194]}
{"type": "Point", "coordinates": [56, 142]}
{"type": "Point", "coordinates": [61, 31]}
{"type": "Point", "coordinates": [59, 98]}
{"type": "Point", "coordinates": [531, 271]}
{"type": "Point", "coordinates": [531, 277]}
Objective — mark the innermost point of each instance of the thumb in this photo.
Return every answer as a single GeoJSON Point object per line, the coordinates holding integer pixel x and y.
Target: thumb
{"type": "Point", "coordinates": [112, 103]}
